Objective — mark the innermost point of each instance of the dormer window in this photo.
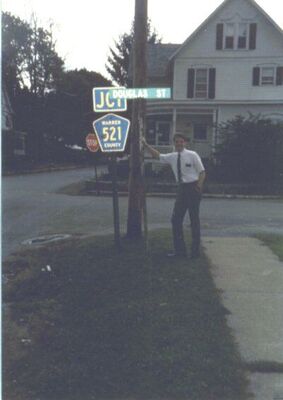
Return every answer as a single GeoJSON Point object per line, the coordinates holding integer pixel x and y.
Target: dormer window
{"type": "Point", "coordinates": [242, 36]}
{"type": "Point", "coordinates": [229, 36]}
{"type": "Point", "coordinates": [236, 36]}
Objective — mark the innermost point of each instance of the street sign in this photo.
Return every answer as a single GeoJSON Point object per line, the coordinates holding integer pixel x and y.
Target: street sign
{"type": "Point", "coordinates": [112, 132]}
{"type": "Point", "coordinates": [92, 143]}
{"type": "Point", "coordinates": [140, 93]}
{"type": "Point", "coordinates": [102, 102]}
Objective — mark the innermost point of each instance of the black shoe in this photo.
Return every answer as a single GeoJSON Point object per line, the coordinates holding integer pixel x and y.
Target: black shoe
{"type": "Point", "coordinates": [177, 255]}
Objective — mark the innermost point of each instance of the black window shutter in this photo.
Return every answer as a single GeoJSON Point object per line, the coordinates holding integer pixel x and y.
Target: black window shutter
{"type": "Point", "coordinates": [211, 87]}
{"type": "Point", "coordinates": [219, 36]}
{"type": "Point", "coordinates": [279, 76]}
{"type": "Point", "coordinates": [191, 82]}
{"type": "Point", "coordinates": [256, 74]}
{"type": "Point", "coordinates": [253, 29]}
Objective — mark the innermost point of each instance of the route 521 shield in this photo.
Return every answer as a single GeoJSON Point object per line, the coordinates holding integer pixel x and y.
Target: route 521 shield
{"type": "Point", "coordinates": [112, 132]}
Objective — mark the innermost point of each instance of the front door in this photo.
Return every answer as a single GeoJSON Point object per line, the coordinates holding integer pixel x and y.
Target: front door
{"type": "Point", "coordinates": [163, 130]}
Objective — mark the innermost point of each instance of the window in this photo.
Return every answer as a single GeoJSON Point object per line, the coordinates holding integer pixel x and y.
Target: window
{"type": "Point", "coordinates": [201, 83]}
{"type": "Point", "coordinates": [150, 134]}
{"type": "Point", "coordinates": [200, 132]}
{"type": "Point", "coordinates": [20, 145]}
{"type": "Point", "coordinates": [162, 133]}
{"type": "Point", "coordinates": [242, 36]}
{"type": "Point", "coordinates": [236, 36]}
{"type": "Point", "coordinates": [279, 76]}
{"type": "Point", "coordinates": [229, 36]}
{"type": "Point", "coordinates": [267, 76]}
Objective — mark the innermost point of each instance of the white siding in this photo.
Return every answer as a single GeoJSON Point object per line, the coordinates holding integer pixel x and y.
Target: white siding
{"type": "Point", "coordinates": [233, 79]}
{"type": "Point", "coordinates": [233, 67]}
{"type": "Point", "coordinates": [203, 44]}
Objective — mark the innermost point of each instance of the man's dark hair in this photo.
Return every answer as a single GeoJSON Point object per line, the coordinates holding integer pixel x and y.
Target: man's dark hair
{"type": "Point", "coordinates": [180, 136]}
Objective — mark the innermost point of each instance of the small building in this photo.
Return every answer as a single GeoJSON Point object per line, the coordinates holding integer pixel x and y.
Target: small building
{"type": "Point", "coordinates": [232, 64]}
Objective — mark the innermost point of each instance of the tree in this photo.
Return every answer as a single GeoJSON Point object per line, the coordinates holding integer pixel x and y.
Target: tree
{"type": "Point", "coordinates": [70, 108]}
{"type": "Point", "coordinates": [250, 149]}
{"type": "Point", "coordinates": [29, 56]}
{"type": "Point", "coordinates": [44, 66]}
{"type": "Point", "coordinates": [119, 58]}
{"type": "Point", "coordinates": [15, 37]}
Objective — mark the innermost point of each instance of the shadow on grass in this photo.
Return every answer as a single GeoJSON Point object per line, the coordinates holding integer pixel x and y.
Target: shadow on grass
{"type": "Point", "coordinates": [104, 324]}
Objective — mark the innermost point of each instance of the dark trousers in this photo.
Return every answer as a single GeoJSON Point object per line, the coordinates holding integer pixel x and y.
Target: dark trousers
{"type": "Point", "coordinates": [188, 199]}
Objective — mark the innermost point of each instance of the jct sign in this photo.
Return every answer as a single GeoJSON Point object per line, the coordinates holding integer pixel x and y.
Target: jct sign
{"type": "Point", "coordinates": [112, 132]}
{"type": "Point", "coordinates": [103, 102]}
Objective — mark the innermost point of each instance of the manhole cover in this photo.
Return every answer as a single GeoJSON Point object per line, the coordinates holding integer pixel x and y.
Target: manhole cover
{"type": "Point", "coordinates": [46, 239]}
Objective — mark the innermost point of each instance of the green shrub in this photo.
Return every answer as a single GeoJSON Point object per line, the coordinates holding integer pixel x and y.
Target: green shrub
{"type": "Point", "coordinates": [250, 150]}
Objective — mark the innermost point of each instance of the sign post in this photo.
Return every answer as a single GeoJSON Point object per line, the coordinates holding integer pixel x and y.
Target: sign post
{"type": "Point", "coordinates": [93, 146]}
{"type": "Point", "coordinates": [115, 200]}
{"type": "Point", "coordinates": [112, 132]}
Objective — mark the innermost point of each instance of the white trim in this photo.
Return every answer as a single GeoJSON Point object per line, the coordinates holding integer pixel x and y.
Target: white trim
{"type": "Point", "coordinates": [214, 128]}
{"type": "Point", "coordinates": [232, 57]}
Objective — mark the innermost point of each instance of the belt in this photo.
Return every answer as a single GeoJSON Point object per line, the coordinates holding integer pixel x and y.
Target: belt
{"type": "Point", "coordinates": [187, 183]}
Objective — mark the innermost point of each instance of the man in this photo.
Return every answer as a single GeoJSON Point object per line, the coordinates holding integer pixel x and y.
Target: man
{"type": "Point", "coordinates": [190, 175]}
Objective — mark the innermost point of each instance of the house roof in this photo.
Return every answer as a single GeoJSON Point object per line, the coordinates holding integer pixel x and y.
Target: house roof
{"type": "Point", "coordinates": [158, 56]}
{"type": "Point", "coordinates": [215, 12]}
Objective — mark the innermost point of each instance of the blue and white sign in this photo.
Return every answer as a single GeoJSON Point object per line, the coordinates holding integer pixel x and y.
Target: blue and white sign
{"type": "Point", "coordinates": [103, 102]}
{"type": "Point", "coordinates": [140, 93]}
{"type": "Point", "coordinates": [112, 132]}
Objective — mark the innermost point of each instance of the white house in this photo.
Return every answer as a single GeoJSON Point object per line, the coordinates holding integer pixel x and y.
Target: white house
{"type": "Point", "coordinates": [231, 65]}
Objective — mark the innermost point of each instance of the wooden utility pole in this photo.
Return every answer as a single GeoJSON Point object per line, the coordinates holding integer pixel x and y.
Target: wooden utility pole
{"type": "Point", "coordinates": [136, 189]}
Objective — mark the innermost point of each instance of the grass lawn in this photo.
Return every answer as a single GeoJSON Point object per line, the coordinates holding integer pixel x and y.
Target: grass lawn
{"type": "Point", "coordinates": [275, 242]}
{"type": "Point", "coordinates": [104, 324]}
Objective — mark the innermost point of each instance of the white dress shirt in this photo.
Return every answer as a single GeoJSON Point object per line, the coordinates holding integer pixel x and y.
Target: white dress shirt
{"type": "Point", "coordinates": [191, 164]}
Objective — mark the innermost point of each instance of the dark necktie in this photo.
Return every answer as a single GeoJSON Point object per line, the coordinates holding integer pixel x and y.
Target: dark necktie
{"type": "Point", "coordinates": [179, 173]}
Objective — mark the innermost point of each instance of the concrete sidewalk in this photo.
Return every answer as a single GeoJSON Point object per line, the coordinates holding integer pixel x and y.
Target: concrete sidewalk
{"type": "Point", "coordinates": [251, 278]}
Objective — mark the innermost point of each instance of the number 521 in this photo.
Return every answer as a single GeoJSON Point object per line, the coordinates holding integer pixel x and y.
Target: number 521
{"type": "Point", "coordinates": [112, 133]}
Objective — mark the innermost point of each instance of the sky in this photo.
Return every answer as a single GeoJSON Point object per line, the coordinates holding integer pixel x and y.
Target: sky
{"type": "Point", "coordinates": [85, 30]}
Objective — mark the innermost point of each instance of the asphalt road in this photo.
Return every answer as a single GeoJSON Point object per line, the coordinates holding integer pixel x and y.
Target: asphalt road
{"type": "Point", "coordinates": [31, 208]}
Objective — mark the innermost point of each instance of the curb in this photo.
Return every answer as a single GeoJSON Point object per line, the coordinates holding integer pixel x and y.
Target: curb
{"type": "Point", "coordinates": [42, 170]}
{"type": "Point", "coordinates": [205, 196]}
